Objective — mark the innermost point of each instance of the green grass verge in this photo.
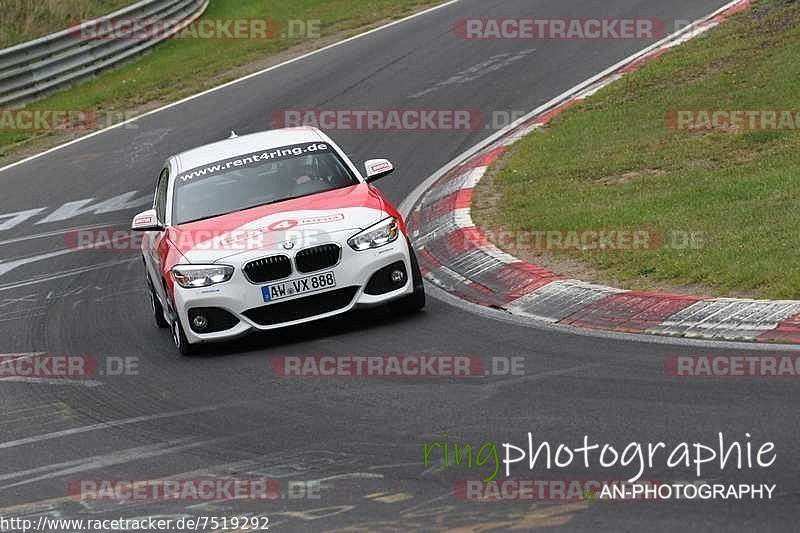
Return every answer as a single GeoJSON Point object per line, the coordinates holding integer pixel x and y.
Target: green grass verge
{"type": "Point", "coordinates": [23, 20]}
{"type": "Point", "coordinates": [612, 163]}
{"type": "Point", "coordinates": [180, 67]}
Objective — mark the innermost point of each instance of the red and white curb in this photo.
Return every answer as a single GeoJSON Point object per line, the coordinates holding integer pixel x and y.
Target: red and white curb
{"type": "Point", "coordinates": [456, 256]}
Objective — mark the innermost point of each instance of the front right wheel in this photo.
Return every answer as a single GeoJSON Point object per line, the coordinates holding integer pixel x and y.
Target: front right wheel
{"type": "Point", "coordinates": [180, 340]}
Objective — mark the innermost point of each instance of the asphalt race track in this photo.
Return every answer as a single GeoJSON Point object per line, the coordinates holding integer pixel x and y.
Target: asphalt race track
{"type": "Point", "coordinates": [224, 413]}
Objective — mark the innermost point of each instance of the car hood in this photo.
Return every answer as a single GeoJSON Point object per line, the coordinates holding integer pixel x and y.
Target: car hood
{"type": "Point", "coordinates": [291, 224]}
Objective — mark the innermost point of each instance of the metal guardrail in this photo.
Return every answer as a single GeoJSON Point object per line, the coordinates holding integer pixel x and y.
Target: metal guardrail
{"type": "Point", "coordinates": [33, 68]}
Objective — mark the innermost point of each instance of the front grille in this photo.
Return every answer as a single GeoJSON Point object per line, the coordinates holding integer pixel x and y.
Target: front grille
{"type": "Point", "coordinates": [268, 269]}
{"type": "Point", "coordinates": [300, 308]}
{"type": "Point", "coordinates": [317, 258]}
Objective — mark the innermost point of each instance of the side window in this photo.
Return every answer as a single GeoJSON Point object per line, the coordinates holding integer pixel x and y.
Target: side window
{"type": "Point", "coordinates": [161, 195]}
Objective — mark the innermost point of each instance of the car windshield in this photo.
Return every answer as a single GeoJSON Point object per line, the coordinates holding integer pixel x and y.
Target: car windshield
{"type": "Point", "coordinates": [259, 178]}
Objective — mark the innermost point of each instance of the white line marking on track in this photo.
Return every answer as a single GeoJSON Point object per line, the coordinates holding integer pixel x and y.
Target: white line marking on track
{"type": "Point", "coordinates": [65, 274]}
{"type": "Point", "coordinates": [6, 267]}
{"type": "Point", "coordinates": [52, 381]}
{"type": "Point", "coordinates": [48, 381]}
{"type": "Point", "coordinates": [480, 70]}
{"type": "Point", "coordinates": [54, 233]}
{"type": "Point", "coordinates": [112, 459]}
{"type": "Point", "coordinates": [111, 424]}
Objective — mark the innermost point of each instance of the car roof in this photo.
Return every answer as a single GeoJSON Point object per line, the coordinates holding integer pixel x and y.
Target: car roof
{"type": "Point", "coordinates": [234, 146]}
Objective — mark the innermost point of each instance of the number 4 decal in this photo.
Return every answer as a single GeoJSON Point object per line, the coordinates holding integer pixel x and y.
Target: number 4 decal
{"type": "Point", "coordinates": [283, 224]}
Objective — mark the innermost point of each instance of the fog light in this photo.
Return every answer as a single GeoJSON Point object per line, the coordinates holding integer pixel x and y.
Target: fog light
{"type": "Point", "coordinates": [200, 323]}
{"type": "Point", "coordinates": [398, 277]}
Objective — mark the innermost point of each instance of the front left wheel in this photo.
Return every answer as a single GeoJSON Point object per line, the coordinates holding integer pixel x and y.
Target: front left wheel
{"type": "Point", "coordinates": [416, 300]}
{"type": "Point", "coordinates": [411, 303]}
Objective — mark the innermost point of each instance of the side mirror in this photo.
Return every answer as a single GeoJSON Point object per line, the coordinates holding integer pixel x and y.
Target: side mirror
{"type": "Point", "coordinates": [378, 168]}
{"type": "Point", "coordinates": [146, 221]}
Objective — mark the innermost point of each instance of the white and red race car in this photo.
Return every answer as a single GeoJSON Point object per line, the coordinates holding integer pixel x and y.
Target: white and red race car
{"type": "Point", "coordinates": [270, 230]}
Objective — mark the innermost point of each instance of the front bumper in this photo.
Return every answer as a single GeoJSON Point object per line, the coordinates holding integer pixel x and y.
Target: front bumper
{"type": "Point", "coordinates": [239, 295]}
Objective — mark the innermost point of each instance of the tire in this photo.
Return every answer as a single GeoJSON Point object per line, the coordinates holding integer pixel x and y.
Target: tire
{"type": "Point", "coordinates": [179, 338]}
{"type": "Point", "coordinates": [416, 300]}
{"type": "Point", "coordinates": [157, 308]}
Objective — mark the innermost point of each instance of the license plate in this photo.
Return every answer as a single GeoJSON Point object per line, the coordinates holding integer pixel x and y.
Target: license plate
{"type": "Point", "coordinates": [287, 289]}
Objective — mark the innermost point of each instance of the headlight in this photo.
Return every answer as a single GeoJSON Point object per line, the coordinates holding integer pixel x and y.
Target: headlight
{"type": "Point", "coordinates": [380, 234]}
{"type": "Point", "coordinates": [194, 276]}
